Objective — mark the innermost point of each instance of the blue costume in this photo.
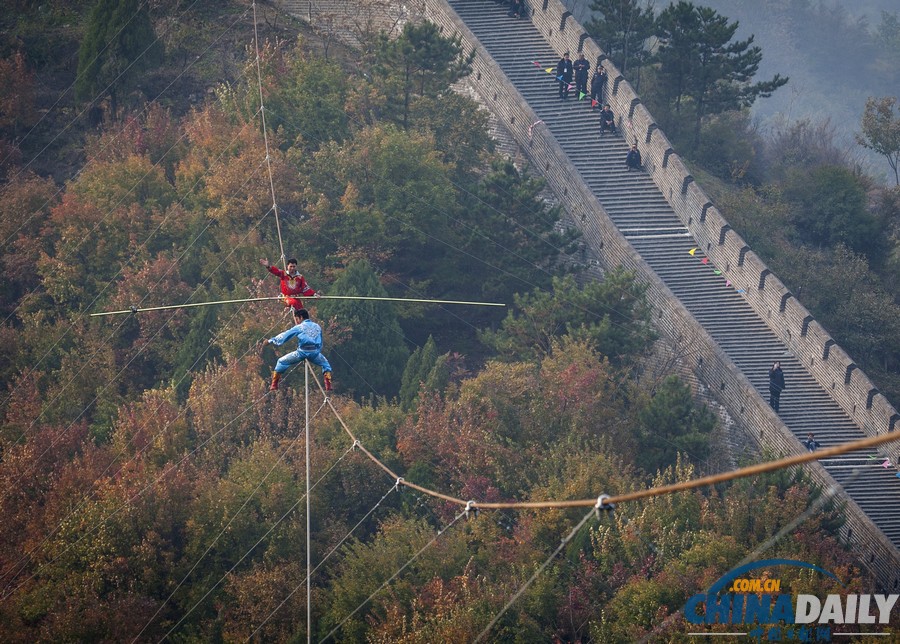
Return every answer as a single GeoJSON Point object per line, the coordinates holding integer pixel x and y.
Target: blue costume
{"type": "Point", "coordinates": [309, 346]}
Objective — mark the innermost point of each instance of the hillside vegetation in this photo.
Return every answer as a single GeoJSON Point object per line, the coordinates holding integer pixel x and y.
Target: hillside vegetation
{"type": "Point", "coordinates": [151, 487]}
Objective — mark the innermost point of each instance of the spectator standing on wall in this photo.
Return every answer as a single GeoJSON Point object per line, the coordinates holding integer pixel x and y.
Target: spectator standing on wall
{"type": "Point", "coordinates": [564, 72]}
{"type": "Point", "coordinates": [581, 67]}
{"type": "Point", "coordinates": [598, 86]}
{"type": "Point", "coordinates": [776, 385]}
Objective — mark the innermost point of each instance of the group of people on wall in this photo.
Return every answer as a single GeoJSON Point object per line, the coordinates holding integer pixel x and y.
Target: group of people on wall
{"type": "Point", "coordinates": [574, 75]}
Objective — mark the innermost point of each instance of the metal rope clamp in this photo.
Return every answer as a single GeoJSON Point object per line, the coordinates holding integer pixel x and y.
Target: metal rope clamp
{"type": "Point", "coordinates": [471, 510]}
{"type": "Point", "coordinates": [398, 483]}
{"type": "Point", "coordinates": [603, 504]}
{"type": "Point", "coordinates": [356, 445]}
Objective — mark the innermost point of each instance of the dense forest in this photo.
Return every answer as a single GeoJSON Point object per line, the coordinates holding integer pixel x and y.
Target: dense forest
{"type": "Point", "coordinates": [151, 486]}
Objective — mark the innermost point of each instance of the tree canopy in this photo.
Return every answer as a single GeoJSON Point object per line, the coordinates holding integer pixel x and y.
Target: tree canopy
{"type": "Point", "coordinates": [702, 70]}
{"type": "Point", "coordinates": [622, 28]}
{"type": "Point", "coordinates": [881, 131]}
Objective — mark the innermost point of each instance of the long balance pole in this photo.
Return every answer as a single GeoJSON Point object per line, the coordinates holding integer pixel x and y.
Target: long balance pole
{"type": "Point", "coordinates": [134, 309]}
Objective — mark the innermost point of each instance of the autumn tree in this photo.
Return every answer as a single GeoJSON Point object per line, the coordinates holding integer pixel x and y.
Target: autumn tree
{"type": "Point", "coordinates": [119, 44]}
{"type": "Point", "coordinates": [881, 130]}
{"type": "Point", "coordinates": [16, 94]}
{"type": "Point", "coordinates": [701, 71]}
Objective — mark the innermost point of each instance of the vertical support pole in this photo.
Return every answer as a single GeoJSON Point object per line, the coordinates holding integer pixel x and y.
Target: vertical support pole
{"type": "Point", "coordinates": [308, 554]}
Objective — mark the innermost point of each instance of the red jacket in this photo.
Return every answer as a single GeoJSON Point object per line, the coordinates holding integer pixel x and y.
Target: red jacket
{"type": "Point", "coordinates": [292, 285]}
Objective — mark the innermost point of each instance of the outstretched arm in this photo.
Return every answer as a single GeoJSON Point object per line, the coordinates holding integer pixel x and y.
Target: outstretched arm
{"type": "Point", "coordinates": [281, 338]}
{"type": "Point", "coordinates": [272, 269]}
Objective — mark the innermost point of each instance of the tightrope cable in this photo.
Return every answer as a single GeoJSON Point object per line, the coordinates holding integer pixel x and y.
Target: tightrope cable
{"type": "Point", "coordinates": [281, 297]}
{"type": "Point", "coordinates": [752, 470]}
{"type": "Point", "coordinates": [262, 111]}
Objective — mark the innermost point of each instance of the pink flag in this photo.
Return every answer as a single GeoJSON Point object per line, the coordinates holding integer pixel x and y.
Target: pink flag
{"type": "Point", "coordinates": [705, 260]}
{"type": "Point", "coordinates": [886, 464]}
{"type": "Point", "coordinates": [727, 282]}
{"type": "Point", "coordinates": [535, 63]}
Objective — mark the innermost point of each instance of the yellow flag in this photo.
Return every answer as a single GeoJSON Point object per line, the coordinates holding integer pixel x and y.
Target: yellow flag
{"type": "Point", "coordinates": [692, 251]}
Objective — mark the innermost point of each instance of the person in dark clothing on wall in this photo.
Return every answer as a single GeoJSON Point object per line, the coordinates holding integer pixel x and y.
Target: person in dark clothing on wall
{"type": "Point", "coordinates": [633, 158]}
{"type": "Point", "coordinates": [598, 86]}
{"type": "Point", "coordinates": [776, 385]}
{"type": "Point", "coordinates": [516, 9]}
{"type": "Point", "coordinates": [811, 443]}
{"type": "Point", "coordinates": [581, 67]}
{"type": "Point", "coordinates": [564, 72]}
{"type": "Point", "coordinates": [607, 120]}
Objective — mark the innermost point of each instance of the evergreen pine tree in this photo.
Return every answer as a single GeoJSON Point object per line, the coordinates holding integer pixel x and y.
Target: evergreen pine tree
{"type": "Point", "coordinates": [673, 423]}
{"type": "Point", "coordinates": [118, 46]}
{"type": "Point", "coordinates": [621, 28]}
{"type": "Point", "coordinates": [373, 359]}
{"type": "Point", "coordinates": [417, 369]}
{"type": "Point", "coordinates": [701, 70]}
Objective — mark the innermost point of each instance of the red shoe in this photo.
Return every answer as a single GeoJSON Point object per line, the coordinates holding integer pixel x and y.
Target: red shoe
{"type": "Point", "coordinates": [275, 378]}
{"type": "Point", "coordinates": [327, 378]}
